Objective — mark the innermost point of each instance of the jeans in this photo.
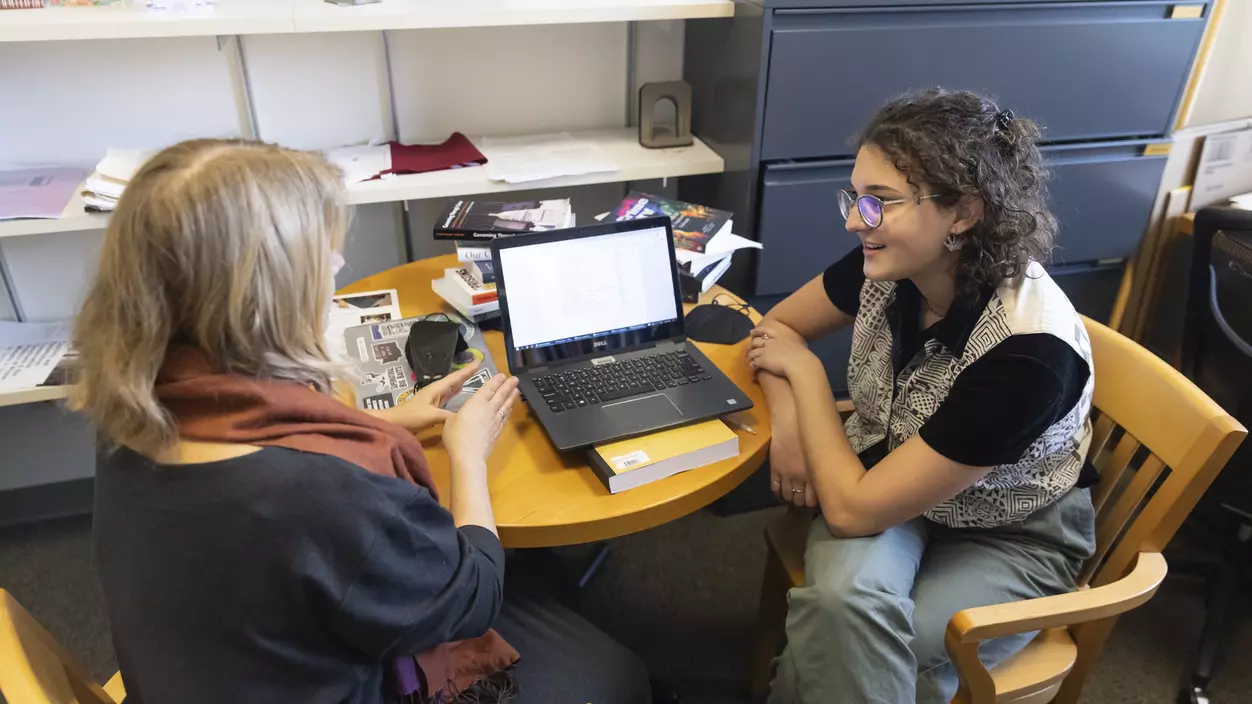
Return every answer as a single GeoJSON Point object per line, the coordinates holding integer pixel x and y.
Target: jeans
{"type": "Point", "coordinates": [868, 625]}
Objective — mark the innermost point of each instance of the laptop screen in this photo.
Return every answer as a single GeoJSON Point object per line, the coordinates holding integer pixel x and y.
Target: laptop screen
{"type": "Point", "coordinates": [590, 294]}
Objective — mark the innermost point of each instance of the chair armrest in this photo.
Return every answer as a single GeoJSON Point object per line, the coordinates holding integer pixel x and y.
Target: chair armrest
{"type": "Point", "coordinates": [1135, 588]}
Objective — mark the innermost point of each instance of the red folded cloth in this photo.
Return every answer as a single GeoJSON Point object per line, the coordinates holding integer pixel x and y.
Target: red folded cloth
{"type": "Point", "coordinates": [455, 152]}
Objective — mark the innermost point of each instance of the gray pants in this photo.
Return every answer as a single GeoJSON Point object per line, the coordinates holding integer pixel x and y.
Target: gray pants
{"type": "Point", "coordinates": [867, 627]}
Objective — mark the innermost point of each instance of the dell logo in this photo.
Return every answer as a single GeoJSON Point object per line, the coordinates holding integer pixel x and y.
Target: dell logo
{"type": "Point", "coordinates": [599, 343]}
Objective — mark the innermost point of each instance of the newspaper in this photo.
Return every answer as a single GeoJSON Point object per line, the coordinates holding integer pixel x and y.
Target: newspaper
{"type": "Point", "coordinates": [30, 351]}
{"type": "Point", "coordinates": [385, 379]}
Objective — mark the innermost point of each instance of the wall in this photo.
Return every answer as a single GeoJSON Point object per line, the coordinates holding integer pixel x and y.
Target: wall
{"type": "Point", "coordinates": [72, 100]}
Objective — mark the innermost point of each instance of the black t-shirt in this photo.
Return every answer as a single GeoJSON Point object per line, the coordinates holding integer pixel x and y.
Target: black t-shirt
{"type": "Point", "coordinates": [280, 576]}
{"type": "Point", "coordinates": [1002, 402]}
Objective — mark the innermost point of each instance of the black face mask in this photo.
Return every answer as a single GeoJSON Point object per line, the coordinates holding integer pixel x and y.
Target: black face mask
{"type": "Point", "coordinates": [719, 324]}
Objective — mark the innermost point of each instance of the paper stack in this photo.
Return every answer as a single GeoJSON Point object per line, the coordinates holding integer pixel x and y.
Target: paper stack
{"type": "Point", "coordinates": [105, 185]}
{"type": "Point", "coordinates": [361, 163]}
{"type": "Point", "coordinates": [540, 157]}
{"type": "Point", "coordinates": [29, 352]}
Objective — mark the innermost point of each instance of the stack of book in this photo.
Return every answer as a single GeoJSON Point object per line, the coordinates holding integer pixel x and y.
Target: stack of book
{"type": "Point", "coordinates": [470, 288]}
{"type": "Point", "coordinates": [104, 186]}
{"type": "Point", "coordinates": [703, 240]}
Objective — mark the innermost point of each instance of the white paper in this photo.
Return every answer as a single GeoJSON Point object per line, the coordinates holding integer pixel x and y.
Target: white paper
{"type": "Point", "coordinates": [121, 164]}
{"type": "Point", "coordinates": [29, 352]}
{"type": "Point", "coordinates": [633, 459]}
{"type": "Point", "coordinates": [101, 185]}
{"type": "Point", "coordinates": [1225, 169]}
{"type": "Point", "coordinates": [539, 157]}
{"type": "Point", "coordinates": [722, 245]}
{"type": "Point", "coordinates": [361, 163]}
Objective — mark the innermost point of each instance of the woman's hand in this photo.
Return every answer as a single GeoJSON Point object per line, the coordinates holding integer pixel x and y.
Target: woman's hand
{"type": "Point", "coordinates": [425, 409]}
{"type": "Point", "coordinates": [781, 356]}
{"type": "Point", "coordinates": [471, 434]}
{"type": "Point", "coordinates": [788, 473]}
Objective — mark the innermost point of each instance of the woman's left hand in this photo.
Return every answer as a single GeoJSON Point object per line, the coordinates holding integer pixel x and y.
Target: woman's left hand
{"type": "Point", "coordinates": [425, 409]}
{"type": "Point", "coordinates": [779, 356]}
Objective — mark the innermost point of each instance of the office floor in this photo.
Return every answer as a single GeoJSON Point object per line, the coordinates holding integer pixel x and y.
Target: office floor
{"type": "Point", "coordinates": [683, 596]}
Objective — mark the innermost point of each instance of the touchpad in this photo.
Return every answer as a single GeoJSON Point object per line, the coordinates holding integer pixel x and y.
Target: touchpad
{"type": "Point", "coordinates": [655, 410]}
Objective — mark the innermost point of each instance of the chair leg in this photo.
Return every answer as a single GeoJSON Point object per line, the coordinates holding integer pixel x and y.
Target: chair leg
{"type": "Point", "coordinates": [771, 619]}
{"type": "Point", "coordinates": [1090, 638]}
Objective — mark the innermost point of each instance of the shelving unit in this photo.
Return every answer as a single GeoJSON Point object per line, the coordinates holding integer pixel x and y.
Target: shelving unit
{"type": "Point", "coordinates": [226, 17]}
{"type": "Point", "coordinates": [635, 163]}
{"type": "Point", "coordinates": [320, 16]}
{"type": "Point", "coordinates": [229, 19]}
{"type": "Point", "coordinates": [35, 395]}
{"type": "Point", "coordinates": [235, 17]}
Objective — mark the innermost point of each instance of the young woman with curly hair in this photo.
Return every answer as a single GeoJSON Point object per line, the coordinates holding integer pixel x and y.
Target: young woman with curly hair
{"type": "Point", "coordinates": [971, 375]}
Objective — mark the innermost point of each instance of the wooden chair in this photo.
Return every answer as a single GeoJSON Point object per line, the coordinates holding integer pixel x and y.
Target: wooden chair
{"type": "Point", "coordinates": [35, 669]}
{"type": "Point", "coordinates": [1158, 443]}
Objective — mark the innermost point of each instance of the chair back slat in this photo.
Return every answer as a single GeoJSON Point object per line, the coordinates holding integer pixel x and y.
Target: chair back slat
{"type": "Point", "coordinates": [1101, 431]}
{"type": "Point", "coordinates": [1189, 436]}
{"type": "Point", "coordinates": [1115, 465]}
{"type": "Point", "coordinates": [1114, 521]}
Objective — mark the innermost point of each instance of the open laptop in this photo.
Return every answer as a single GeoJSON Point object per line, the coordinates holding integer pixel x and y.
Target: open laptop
{"type": "Point", "coordinates": [594, 331]}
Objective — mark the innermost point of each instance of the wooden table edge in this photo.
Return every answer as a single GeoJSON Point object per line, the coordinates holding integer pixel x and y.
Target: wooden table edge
{"type": "Point", "coordinates": [521, 535]}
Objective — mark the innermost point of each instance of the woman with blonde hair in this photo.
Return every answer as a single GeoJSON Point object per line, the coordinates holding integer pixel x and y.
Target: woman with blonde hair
{"type": "Point", "coordinates": [257, 539]}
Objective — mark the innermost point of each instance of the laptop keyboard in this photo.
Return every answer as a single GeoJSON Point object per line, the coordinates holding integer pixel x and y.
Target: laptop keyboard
{"type": "Point", "coordinates": [590, 386]}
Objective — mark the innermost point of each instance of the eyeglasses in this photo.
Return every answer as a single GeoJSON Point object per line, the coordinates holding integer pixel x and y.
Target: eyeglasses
{"type": "Point", "coordinates": [870, 207]}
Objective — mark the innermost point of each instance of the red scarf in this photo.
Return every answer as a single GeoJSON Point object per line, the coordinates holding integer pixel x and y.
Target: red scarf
{"type": "Point", "coordinates": [211, 406]}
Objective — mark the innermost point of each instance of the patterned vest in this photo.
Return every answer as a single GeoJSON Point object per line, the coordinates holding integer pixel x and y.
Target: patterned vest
{"type": "Point", "coordinates": [895, 410]}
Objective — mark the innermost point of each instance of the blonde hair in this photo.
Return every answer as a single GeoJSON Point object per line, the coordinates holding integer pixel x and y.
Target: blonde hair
{"type": "Point", "coordinates": [222, 245]}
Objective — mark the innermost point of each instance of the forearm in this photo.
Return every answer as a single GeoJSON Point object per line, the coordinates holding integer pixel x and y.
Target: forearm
{"type": "Point", "coordinates": [778, 397]}
{"type": "Point", "coordinates": [834, 468]}
{"type": "Point", "coordinates": [469, 498]}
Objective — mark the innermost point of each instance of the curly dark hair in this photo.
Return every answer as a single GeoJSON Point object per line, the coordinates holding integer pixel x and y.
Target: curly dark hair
{"type": "Point", "coordinates": [958, 143]}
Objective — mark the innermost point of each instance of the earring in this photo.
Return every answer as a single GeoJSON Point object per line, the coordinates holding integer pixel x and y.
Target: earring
{"type": "Point", "coordinates": [952, 243]}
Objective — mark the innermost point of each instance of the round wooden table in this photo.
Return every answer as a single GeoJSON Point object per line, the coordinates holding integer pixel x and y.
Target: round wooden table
{"type": "Point", "coordinates": [543, 498]}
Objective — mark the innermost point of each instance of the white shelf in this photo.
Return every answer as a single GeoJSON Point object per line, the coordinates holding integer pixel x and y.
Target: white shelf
{"type": "Point", "coordinates": [130, 22]}
{"type": "Point", "coordinates": [621, 146]}
{"type": "Point", "coordinates": [635, 163]}
{"type": "Point", "coordinates": [228, 17]}
{"type": "Point", "coordinates": [321, 16]}
{"type": "Point", "coordinates": [33, 395]}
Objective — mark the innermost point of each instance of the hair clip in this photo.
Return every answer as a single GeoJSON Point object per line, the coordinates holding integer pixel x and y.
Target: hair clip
{"type": "Point", "coordinates": [1004, 119]}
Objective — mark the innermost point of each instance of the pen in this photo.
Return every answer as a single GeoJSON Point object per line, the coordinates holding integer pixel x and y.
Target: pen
{"type": "Point", "coordinates": [742, 426]}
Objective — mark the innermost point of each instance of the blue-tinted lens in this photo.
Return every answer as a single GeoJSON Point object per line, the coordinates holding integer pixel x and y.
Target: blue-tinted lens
{"type": "Point", "coordinates": [870, 209]}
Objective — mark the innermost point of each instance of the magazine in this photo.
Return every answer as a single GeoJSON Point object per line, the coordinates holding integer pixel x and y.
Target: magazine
{"type": "Point", "coordinates": [385, 379]}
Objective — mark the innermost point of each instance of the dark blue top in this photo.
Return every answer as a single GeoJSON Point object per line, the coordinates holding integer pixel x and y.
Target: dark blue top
{"type": "Point", "coordinates": [280, 576]}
